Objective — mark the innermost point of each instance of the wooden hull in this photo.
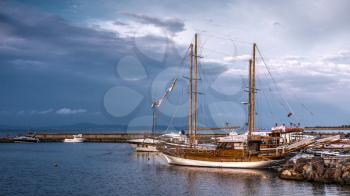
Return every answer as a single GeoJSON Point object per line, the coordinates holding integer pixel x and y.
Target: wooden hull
{"type": "Point", "coordinates": [228, 164]}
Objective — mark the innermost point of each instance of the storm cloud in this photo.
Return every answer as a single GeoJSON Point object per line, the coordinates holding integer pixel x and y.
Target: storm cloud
{"type": "Point", "coordinates": [60, 58]}
{"type": "Point", "coordinates": [173, 25]}
{"type": "Point", "coordinates": [48, 63]}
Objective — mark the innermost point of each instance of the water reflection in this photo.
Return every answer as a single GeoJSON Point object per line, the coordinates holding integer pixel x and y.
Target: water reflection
{"type": "Point", "coordinates": [209, 181]}
{"type": "Point", "coordinates": [244, 180]}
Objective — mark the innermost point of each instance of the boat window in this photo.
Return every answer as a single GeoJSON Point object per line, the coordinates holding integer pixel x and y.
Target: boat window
{"type": "Point", "coordinates": [238, 146]}
{"type": "Point", "coordinates": [221, 146]}
{"type": "Point", "coordinates": [229, 146]}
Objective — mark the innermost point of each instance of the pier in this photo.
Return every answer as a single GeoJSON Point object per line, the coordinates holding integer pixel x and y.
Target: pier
{"type": "Point", "coordinates": [91, 137]}
{"type": "Point", "coordinates": [98, 137]}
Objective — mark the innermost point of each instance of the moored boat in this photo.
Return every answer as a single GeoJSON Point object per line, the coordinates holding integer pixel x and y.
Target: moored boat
{"type": "Point", "coordinates": [250, 150]}
{"type": "Point", "coordinates": [149, 144]}
{"type": "Point", "coordinates": [25, 139]}
{"type": "Point", "coordinates": [144, 145]}
{"type": "Point", "coordinates": [76, 139]}
{"type": "Point", "coordinates": [146, 148]}
{"type": "Point", "coordinates": [221, 164]}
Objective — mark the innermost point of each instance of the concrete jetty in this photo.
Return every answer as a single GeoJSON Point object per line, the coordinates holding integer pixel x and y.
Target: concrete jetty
{"type": "Point", "coordinates": [97, 137]}
{"type": "Point", "coordinates": [91, 137]}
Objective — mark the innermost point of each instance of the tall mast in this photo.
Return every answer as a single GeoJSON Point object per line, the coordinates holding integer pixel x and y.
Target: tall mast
{"type": "Point", "coordinates": [190, 96]}
{"type": "Point", "coordinates": [195, 84]}
{"type": "Point", "coordinates": [249, 100]}
{"type": "Point", "coordinates": [253, 88]}
{"type": "Point", "coordinates": [251, 111]}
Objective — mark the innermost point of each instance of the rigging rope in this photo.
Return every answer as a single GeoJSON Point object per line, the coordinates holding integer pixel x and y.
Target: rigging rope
{"type": "Point", "coordinates": [182, 95]}
{"type": "Point", "coordinates": [297, 99]}
{"type": "Point", "coordinates": [201, 72]}
{"type": "Point", "coordinates": [273, 80]}
{"type": "Point", "coordinates": [264, 94]}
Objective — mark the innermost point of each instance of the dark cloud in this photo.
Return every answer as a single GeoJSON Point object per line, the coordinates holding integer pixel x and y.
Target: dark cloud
{"type": "Point", "coordinates": [48, 63]}
{"type": "Point", "coordinates": [170, 24]}
{"type": "Point", "coordinates": [118, 23]}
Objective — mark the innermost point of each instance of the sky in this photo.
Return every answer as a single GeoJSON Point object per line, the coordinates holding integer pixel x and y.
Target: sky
{"type": "Point", "coordinates": [105, 62]}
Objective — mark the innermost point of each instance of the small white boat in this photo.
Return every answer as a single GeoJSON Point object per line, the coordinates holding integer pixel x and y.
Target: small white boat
{"type": "Point", "coordinates": [143, 141]}
{"type": "Point", "coordinates": [144, 145]}
{"type": "Point", "coordinates": [25, 139]}
{"type": "Point", "coordinates": [149, 144]}
{"type": "Point", "coordinates": [76, 139]}
{"type": "Point", "coordinates": [146, 148]}
{"type": "Point", "coordinates": [174, 137]}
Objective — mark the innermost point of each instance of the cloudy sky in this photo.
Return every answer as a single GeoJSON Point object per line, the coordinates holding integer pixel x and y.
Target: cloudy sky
{"type": "Point", "coordinates": [105, 61]}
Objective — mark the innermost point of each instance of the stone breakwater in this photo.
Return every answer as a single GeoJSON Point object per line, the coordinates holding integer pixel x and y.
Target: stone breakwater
{"type": "Point", "coordinates": [317, 169]}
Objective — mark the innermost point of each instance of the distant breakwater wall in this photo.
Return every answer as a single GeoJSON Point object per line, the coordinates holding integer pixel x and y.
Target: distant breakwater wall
{"type": "Point", "coordinates": [91, 137]}
{"type": "Point", "coordinates": [317, 169]}
{"type": "Point", "coordinates": [99, 137]}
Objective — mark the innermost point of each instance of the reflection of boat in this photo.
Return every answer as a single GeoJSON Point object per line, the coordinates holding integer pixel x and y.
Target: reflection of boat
{"type": "Point", "coordinates": [241, 173]}
{"type": "Point", "coordinates": [25, 139]}
{"type": "Point", "coordinates": [252, 150]}
{"type": "Point", "coordinates": [76, 139]}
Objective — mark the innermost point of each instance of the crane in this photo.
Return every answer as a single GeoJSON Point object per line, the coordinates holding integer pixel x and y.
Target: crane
{"type": "Point", "coordinates": [157, 103]}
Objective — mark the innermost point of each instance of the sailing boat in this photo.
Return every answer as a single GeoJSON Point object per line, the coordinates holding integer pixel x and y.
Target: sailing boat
{"type": "Point", "coordinates": [249, 151]}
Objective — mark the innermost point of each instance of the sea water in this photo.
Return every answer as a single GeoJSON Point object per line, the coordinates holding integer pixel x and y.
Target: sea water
{"type": "Point", "coordinates": [115, 169]}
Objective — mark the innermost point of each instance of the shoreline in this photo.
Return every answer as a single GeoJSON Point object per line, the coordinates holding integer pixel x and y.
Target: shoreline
{"type": "Point", "coordinates": [317, 169]}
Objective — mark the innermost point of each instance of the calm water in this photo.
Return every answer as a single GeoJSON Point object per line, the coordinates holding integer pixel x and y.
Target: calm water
{"type": "Point", "coordinates": [114, 169]}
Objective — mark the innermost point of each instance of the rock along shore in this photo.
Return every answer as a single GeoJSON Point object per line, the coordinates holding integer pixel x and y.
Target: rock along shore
{"type": "Point", "coordinates": [317, 169]}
